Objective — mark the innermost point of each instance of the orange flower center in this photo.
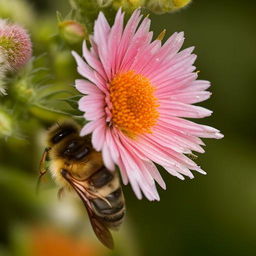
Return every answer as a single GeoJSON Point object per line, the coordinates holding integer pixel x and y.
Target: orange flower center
{"type": "Point", "coordinates": [134, 105]}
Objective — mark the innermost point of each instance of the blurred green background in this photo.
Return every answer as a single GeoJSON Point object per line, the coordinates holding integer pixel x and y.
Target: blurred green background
{"type": "Point", "coordinates": [210, 215]}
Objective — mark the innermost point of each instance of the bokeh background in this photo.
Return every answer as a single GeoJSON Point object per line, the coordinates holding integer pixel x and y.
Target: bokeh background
{"type": "Point", "coordinates": [209, 215]}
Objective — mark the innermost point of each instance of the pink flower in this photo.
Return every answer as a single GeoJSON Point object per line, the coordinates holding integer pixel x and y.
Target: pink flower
{"type": "Point", "coordinates": [137, 94]}
{"type": "Point", "coordinates": [15, 44]}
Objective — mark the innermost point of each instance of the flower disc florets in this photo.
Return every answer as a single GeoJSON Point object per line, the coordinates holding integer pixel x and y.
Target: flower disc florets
{"type": "Point", "coordinates": [134, 105]}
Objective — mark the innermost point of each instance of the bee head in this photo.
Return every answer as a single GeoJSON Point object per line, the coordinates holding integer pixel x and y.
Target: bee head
{"type": "Point", "coordinates": [60, 131]}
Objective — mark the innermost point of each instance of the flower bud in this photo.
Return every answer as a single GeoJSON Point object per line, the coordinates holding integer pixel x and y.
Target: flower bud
{"type": "Point", "coordinates": [104, 3]}
{"type": "Point", "coordinates": [163, 6]}
{"type": "Point", "coordinates": [180, 3]}
{"type": "Point", "coordinates": [6, 123]}
{"type": "Point", "coordinates": [72, 31]}
{"type": "Point", "coordinates": [15, 44]}
{"type": "Point", "coordinates": [3, 69]}
{"type": "Point", "coordinates": [23, 90]}
{"type": "Point", "coordinates": [128, 5]}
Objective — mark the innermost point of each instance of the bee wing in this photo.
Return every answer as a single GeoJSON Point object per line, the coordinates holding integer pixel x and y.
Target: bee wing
{"type": "Point", "coordinates": [101, 231]}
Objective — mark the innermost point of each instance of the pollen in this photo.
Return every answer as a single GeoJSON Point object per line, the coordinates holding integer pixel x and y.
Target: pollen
{"type": "Point", "coordinates": [134, 105]}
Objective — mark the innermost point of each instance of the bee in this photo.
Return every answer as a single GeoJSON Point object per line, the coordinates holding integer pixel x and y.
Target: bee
{"type": "Point", "coordinates": [76, 166]}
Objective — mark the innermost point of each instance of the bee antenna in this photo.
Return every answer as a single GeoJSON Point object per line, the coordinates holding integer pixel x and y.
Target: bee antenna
{"type": "Point", "coordinates": [58, 124]}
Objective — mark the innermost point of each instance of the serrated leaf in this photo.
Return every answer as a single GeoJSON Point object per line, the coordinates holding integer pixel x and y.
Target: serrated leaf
{"type": "Point", "coordinates": [49, 95]}
{"type": "Point", "coordinates": [39, 69]}
{"type": "Point", "coordinates": [73, 101]}
{"type": "Point", "coordinates": [65, 112]}
{"type": "Point", "coordinates": [52, 109]}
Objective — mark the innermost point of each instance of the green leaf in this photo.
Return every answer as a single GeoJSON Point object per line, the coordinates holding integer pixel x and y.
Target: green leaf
{"type": "Point", "coordinates": [50, 95]}
{"type": "Point", "coordinates": [48, 113]}
{"type": "Point", "coordinates": [73, 101]}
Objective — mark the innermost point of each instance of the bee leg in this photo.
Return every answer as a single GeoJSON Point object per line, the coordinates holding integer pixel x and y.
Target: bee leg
{"type": "Point", "coordinates": [41, 174]}
{"type": "Point", "coordinates": [89, 193]}
{"type": "Point", "coordinates": [105, 200]}
{"type": "Point", "coordinates": [60, 193]}
{"type": "Point", "coordinates": [92, 195]}
{"type": "Point", "coordinates": [42, 169]}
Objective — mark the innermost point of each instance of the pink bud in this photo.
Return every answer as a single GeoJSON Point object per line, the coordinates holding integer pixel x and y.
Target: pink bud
{"type": "Point", "coordinates": [15, 44]}
{"type": "Point", "coordinates": [72, 31]}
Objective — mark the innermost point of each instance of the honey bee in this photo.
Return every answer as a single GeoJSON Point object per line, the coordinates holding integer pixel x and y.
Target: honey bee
{"type": "Point", "coordinates": [76, 166]}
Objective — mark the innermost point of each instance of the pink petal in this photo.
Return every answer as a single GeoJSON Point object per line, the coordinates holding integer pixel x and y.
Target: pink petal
{"type": "Point", "coordinates": [93, 61]}
{"type": "Point", "coordinates": [123, 172]}
{"type": "Point", "coordinates": [199, 85]}
{"type": "Point", "coordinates": [190, 97]}
{"type": "Point", "coordinates": [86, 87]}
{"type": "Point", "coordinates": [98, 137]}
{"type": "Point", "coordinates": [101, 33]}
{"type": "Point", "coordinates": [108, 161]}
{"type": "Point", "coordinates": [175, 108]}
{"type": "Point", "coordinates": [110, 140]}
{"type": "Point", "coordinates": [127, 36]}
{"type": "Point", "coordinates": [94, 114]}
{"type": "Point", "coordinates": [114, 40]}
{"type": "Point", "coordinates": [83, 69]}
{"type": "Point", "coordinates": [155, 173]}
{"type": "Point", "coordinates": [186, 141]}
{"type": "Point", "coordinates": [91, 126]}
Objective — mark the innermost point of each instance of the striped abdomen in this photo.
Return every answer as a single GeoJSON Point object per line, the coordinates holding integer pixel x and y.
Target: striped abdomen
{"type": "Point", "coordinates": [107, 185]}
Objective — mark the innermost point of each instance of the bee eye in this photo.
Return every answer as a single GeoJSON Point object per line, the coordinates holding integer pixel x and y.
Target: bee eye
{"type": "Point", "coordinates": [61, 134]}
{"type": "Point", "coordinates": [72, 145]}
{"type": "Point", "coordinates": [76, 150]}
{"type": "Point", "coordinates": [81, 153]}
{"type": "Point", "coordinates": [67, 151]}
